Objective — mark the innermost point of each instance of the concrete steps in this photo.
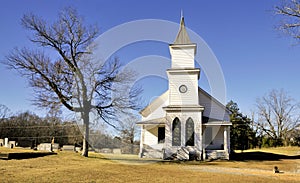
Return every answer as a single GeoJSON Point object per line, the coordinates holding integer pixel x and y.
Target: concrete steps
{"type": "Point", "coordinates": [211, 155]}
{"type": "Point", "coordinates": [183, 153]}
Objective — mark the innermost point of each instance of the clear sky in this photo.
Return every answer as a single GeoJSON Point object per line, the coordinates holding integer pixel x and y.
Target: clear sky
{"type": "Point", "coordinates": [254, 57]}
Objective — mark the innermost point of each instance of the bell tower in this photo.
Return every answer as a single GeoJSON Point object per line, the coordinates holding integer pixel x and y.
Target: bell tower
{"type": "Point", "coordinates": [183, 76]}
{"type": "Point", "coordinates": [183, 108]}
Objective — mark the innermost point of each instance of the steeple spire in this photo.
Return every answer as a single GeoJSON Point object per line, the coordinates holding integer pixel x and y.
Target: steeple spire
{"type": "Point", "coordinates": [182, 36]}
{"type": "Point", "coordinates": [181, 13]}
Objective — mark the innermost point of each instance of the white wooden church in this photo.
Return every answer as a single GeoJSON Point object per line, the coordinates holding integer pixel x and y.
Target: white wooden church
{"type": "Point", "coordinates": [185, 122]}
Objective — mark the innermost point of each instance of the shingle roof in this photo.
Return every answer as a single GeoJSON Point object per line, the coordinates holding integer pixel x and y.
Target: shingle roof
{"type": "Point", "coordinates": [182, 36]}
{"type": "Point", "coordinates": [153, 121]}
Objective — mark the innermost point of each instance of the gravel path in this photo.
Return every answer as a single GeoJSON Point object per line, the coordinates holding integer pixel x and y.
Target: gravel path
{"type": "Point", "coordinates": [243, 171]}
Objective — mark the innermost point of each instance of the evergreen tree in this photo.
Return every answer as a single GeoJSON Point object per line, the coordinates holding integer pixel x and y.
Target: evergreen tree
{"type": "Point", "coordinates": [242, 136]}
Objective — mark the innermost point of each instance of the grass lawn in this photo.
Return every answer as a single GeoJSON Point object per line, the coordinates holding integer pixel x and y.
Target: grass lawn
{"type": "Point", "coordinates": [71, 167]}
{"type": "Point", "coordinates": [278, 150]}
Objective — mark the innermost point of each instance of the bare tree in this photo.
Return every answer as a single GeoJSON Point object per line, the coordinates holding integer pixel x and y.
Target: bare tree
{"type": "Point", "coordinates": [128, 131]}
{"type": "Point", "coordinates": [68, 78]}
{"type": "Point", "coordinates": [278, 113]}
{"type": "Point", "coordinates": [290, 22]}
{"type": "Point", "coordinates": [4, 111]}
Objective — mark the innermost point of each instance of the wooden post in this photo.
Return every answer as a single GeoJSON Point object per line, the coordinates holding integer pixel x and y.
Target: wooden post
{"type": "Point", "coordinates": [203, 145]}
{"type": "Point", "coordinates": [142, 140]}
{"type": "Point", "coordinates": [225, 140]}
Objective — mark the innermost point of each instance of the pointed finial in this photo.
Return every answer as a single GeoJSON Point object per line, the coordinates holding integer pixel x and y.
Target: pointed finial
{"type": "Point", "coordinates": [182, 36]}
{"type": "Point", "coordinates": [181, 18]}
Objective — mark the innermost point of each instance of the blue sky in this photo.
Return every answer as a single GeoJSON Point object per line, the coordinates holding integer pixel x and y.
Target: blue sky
{"type": "Point", "coordinates": [254, 57]}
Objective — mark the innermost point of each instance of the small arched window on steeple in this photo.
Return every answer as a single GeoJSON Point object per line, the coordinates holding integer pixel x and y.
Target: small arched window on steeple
{"type": "Point", "coordinates": [176, 132]}
{"type": "Point", "coordinates": [189, 132]}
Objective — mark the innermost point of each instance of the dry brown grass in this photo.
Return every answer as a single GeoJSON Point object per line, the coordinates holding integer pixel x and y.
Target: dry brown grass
{"type": "Point", "coordinates": [291, 151]}
{"type": "Point", "coordinates": [17, 149]}
{"type": "Point", "coordinates": [71, 167]}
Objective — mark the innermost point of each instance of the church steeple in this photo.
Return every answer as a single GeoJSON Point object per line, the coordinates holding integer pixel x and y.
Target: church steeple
{"type": "Point", "coordinates": [182, 50]}
{"type": "Point", "coordinates": [182, 36]}
{"type": "Point", "coordinates": [183, 76]}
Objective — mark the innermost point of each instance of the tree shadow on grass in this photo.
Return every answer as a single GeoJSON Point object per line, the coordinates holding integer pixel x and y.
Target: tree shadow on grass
{"type": "Point", "coordinates": [260, 156]}
{"type": "Point", "coordinates": [127, 160]}
{"type": "Point", "coordinates": [245, 156]}
{"type": "Point", "coordinates": [25, 155]}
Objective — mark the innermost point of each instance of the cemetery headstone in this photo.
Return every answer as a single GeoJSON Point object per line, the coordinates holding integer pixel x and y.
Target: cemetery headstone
{"type": "Point", "coordinates": [6, 142]}
{"type": "Point", "coordinates": [117, 151]}
{"type": "Point", "coordinates": [12, 144]}
{"type": "Point", "coordinates": [68, 148]}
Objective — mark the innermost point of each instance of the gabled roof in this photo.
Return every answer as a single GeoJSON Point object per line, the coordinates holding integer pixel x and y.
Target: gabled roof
{"type": "Point", "coordinates": [211, 122]}
{"type": "Point", "coordinates": [161, 99]}
{"type": "Point", "coordinates": [155, 104]}
{"type": "Point", "coordinates": [214, 99]}
{"type": "Point", "coordinates": [182, 36]}
{"type": "Point", "coordinates": [157, 121]}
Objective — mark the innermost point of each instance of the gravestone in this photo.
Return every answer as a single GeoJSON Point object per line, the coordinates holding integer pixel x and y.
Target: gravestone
{"type": "Point", "coordinates": [6, 142]}
{"type": "Point", "coordinates": [77, 149]}
{"type": "Point", "coordinates": [117, 151]}
{"type": "Point", "coordinates": [12, 144]}
{"type": "Point", "coordinates": [47, 147]}
{"type": "Point", "coordinates": [105, 150]}
{"type": "Point", "coordinates": [1, 142]}
{"type": "Point", "coordinates": [68, 148]}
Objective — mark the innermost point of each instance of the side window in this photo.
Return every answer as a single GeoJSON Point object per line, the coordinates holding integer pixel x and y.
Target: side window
{"type": "Point", "coordinates": [161, 134]}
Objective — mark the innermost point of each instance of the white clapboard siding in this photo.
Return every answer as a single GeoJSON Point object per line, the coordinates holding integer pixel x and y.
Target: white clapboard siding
{"type": "Point", "coordinates": [188, 98]}
{"type": "Point", "coordinates": [151, 136]}
{"type": "Point", "coordinates": [212, 108]}
{"type": "Point", "coordinates": [217, 137]}
{"type": "Point", "coordinates": [155, 109]}
{"type": "Point", "coordinates": [182, 57]}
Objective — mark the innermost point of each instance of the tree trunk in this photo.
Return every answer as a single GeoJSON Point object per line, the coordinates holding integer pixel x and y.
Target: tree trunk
{"type": "Point", "coordinates": [132, 143]}
{"type": "Point", "coordinates": [85, 150]}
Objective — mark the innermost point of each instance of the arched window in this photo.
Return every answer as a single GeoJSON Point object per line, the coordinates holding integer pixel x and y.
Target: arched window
{"type": "Point", "coordinates": [176, 132]}
{"type": "Point", "coordinates": [189, 132]}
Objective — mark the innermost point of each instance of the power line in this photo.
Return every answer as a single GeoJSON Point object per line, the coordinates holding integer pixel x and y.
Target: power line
{"type": "Point", "coordinates": [40, 126]}
{"type": "Point", "coordinates": [49, 136]}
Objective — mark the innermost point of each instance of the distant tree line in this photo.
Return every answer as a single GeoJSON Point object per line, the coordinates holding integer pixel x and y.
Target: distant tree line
{"type": "Point", "coordinates": [100, 141]}
{"type": "Point", "coordinates": [124, 136]}
{"type": "Point", "coordinates": [29, 130]}
{"type": "Point", "coordinates": [276, 123]}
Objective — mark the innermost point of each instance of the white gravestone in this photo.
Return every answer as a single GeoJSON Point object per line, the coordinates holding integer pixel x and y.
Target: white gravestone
{"type": "Point", "coordinates": [12, 144]}
{"type": "Point", "coordinates": [6, 142]}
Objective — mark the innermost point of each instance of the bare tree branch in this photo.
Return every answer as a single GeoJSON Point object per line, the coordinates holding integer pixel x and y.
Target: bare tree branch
{"type": "Point", "coordinates": [72, 80]}
{"type": "Point", "coordinates": [4, 112]}
{"type": "Point", "coordinates": [289, 10]}
{"type": "Point", "coordinates": [278, 114]}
